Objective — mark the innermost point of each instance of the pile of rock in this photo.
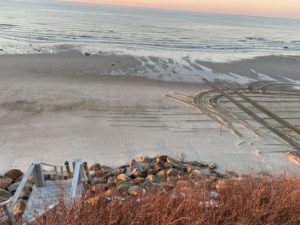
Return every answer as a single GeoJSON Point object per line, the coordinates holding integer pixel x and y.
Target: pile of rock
{"type": "Point", "coordinates": [9, 183]}
{"type": "Point", "coordinates": [135, 178]}
{"type": "Point", "coordinates": [143, 173]}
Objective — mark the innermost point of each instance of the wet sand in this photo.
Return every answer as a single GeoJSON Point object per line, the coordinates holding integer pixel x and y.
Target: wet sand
{"type": "Point", "coordinates": [276, 67]}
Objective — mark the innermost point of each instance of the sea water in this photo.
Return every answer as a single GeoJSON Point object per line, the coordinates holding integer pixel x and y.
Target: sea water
{"type": "Point", "coordinates": [50, 26]}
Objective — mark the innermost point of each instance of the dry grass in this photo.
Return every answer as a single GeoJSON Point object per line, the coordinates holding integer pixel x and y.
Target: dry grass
{"type": "Point", "coordinates": [251, 200]}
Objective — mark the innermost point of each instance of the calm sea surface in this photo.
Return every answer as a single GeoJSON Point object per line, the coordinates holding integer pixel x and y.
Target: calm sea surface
{"type": "Point", "coordinates": [52, 26]}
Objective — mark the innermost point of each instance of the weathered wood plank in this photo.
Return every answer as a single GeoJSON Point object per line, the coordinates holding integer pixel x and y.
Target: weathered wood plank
{"type": "Point", "coordinates": [47, 196]}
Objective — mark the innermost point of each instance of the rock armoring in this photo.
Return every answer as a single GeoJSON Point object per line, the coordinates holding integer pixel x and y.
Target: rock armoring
{"type": "Point", "coordinates": [143, 173]}
{"type": "Point", "coordinates": [14, 174]}
{"type": "Point", "coordinates": [132, 179]}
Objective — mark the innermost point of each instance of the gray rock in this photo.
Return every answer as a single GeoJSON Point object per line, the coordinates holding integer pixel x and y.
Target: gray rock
{"type": "Point", "coordinates": [103, 172]}
{"type": "Point", "coordinates": [13, 187]}
{"type": "Point", "coordinates": [198, 164]}
{"type": "Point", "coordinates": [161, 174]}
{"type": "Point", "coordinates": [95, 167]}
{"type": "Point", "coordinates": [152, 171]}
{"type": "Point", "coordinates": [20, 178]}
{"type": "Point", "coordinates": [172, 173]}
{"type": "Point", "coordinates": [135, 172]}
{"type": "Point", "coordinates": [120, 170]}
{"type": "Point", "coordinates": [4, 195]}
{"type": "Point", "coordinates": [111, 182]}
{"type": "Point", "coordinates": [26, 193]}
{"type": "Point", "coordinates": [190, 168]}
{"type": "Point", "coordinates": [158, 166]}
{"type": "Point", "coordinates": [138, 173]}
{"type": "Point", "coordinates": [196, 174]}
{"type": "Point", "coordinates": [134, 165]}
{"type": "Point", "coordinates": [123, 178]}
{"type": "Point", "coordinates": [168, 165]}
{"type": "Point", "coordinates": [138, 181]}
{"type": "Point", "coordinates": [152, 178]}
{"type": "Point", "coordinates": [175, 163]}
{"type": "Point", "coordinates": [212, 166]}
{"type": "Point", "coordinates": [206, 171]}
{"type": "Point", "coordinates": [161, 158]}
{"type": "Point", "coordinates": [5, 182]}
{"type": "Point", "coordinates": [135, 190]}
{"type": "Point", "coordinates": [123, 187]}
{"type": "Point", "coordinates": [106, 168]}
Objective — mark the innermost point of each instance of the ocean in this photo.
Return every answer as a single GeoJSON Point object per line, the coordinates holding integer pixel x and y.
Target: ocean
{"type": "Point", "coordinates": [49, 26]}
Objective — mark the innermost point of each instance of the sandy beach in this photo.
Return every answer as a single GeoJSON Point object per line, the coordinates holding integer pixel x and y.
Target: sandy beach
{"type": "Point", "coordinates": [59, 107]}
{"type": "Point", "coordinates": [149, 112]}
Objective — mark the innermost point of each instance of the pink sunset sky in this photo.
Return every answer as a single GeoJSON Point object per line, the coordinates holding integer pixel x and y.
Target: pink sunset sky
{"type": "Point", "coordinates": [278, 8]}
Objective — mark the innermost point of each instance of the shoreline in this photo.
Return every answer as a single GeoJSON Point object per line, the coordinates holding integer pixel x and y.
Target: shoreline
{"type": "Point", "coordinates": [186, 70]}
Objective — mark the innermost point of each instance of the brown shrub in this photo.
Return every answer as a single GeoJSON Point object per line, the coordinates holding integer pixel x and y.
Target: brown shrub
{"type": "Point", "coordinates": [255, 200]}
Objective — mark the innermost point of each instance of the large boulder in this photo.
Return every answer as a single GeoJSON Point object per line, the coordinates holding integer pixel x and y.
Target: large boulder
{"type": "Point", "coordinates": [13, 174]}
{"type": "Point", "coordinates": [19, 207]}
{"type": "Point", "coordinates": [152, 178]}
{"type": "Point", "coordinates": [161, 175]}
{"type": "Point", "coordinates": [5, 182]}
{"type": "Point", "coordinates": [123, 178]}
{"type": "Point", "coordinates": [4, 195]}
{"type": "Point", "coordinates": [172, 173]}
{"type": "Point", "coordinates": [123, 187]}
{"type": "Point", "coordinates": [95, 167]}
{"type": "Point", "coordinates": [196, 174]}
{"type": "Point", "coordinates": [138, 181]}
{"type": "Point", "coordinates": [13, 187]}
{"type": "Point", "coordinates": [26, 193]}
{"type": "Point", "coordinates": [175, 163]}
{"type": "Point", "coordinates": [135, 190]}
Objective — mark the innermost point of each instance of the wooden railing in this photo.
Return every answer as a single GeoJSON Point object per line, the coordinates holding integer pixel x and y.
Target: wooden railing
{"type": "Point", "coordinates": [77, 174]}
{"type": "Point", "coordinates": [36, 170]}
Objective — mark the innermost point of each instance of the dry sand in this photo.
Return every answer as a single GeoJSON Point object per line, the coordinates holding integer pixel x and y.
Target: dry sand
{"type": "Point", "coordinates": [57, 108]}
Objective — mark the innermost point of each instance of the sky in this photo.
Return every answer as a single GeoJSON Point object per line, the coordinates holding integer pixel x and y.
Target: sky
{"type": "Point", "coordinates": [277, 8]}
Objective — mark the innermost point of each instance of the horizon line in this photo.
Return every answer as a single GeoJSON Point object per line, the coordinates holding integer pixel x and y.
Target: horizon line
{"type": "Point", "coordinates": [181, 10]}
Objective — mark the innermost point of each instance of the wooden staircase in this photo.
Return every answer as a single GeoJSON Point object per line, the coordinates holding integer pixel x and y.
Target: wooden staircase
{"type": "Point", "coordinates": [45, 194]}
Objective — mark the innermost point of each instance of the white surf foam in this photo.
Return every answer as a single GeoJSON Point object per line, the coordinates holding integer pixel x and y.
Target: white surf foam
{"type": "Point", "coordinates": [181, 69]}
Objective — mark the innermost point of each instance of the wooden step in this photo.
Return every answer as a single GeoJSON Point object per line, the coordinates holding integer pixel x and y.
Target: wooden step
{"type": "Point", "coordinates": [48, 196]}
